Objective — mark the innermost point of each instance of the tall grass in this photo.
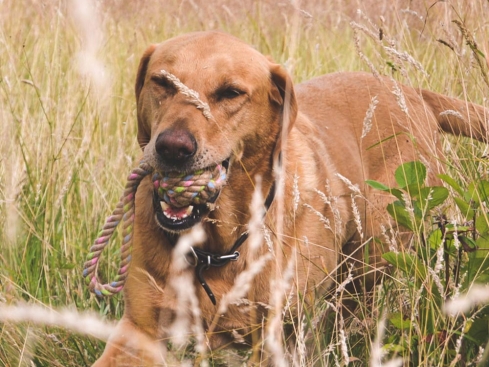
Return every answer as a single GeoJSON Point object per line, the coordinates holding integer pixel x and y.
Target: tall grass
{"type": "Point", "coordinates": [67, 113]}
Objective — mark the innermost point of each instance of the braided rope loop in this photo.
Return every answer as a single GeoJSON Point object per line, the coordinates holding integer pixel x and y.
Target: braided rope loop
{"type": "Point", "coordinates": [124, 211]}
{"type": "Point", "coordinates": [181, 189]}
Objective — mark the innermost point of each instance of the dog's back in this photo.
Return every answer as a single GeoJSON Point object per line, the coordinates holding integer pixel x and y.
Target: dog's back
{"type": "Point", "coordinates": [362, 127]}
{"type": "Point", "coordinates": [354, 111]}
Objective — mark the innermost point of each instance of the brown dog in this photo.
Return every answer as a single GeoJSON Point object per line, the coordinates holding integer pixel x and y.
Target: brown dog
{"type": "Point", "coordinates": [245, 106]}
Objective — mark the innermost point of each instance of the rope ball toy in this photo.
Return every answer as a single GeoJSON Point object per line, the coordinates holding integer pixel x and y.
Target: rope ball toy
{"type": "Point", "coordinates": [181, 190]}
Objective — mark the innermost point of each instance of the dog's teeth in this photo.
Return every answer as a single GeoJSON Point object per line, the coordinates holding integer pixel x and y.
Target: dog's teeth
{"type": "Point", "coordinates": [174, 213]}
{"type": "Point", "coordinates": [164, 206]}
{"type": "Point", "coordinates": [187, 212]}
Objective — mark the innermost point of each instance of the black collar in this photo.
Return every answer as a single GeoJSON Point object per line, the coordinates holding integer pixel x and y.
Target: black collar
{"type": "Point", "coordinates": [203, 260]}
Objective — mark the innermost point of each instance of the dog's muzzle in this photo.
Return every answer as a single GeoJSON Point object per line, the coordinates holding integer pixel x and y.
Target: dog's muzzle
{"type": "Point", "coordinates": [181, 199]}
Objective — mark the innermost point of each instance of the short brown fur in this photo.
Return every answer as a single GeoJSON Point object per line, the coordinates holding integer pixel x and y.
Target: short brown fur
{"type": "Point", "coordinates": [325, 121]}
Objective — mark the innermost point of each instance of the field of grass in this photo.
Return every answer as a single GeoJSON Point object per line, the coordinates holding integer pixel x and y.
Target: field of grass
{"type": "Point", "coordinates": [68, 141]}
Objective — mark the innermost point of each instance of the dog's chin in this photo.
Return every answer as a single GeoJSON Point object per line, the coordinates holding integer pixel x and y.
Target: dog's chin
{"type": "Point", "coordinates": [178, 220]}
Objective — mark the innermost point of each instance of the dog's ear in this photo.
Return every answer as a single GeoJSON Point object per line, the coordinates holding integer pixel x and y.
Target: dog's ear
{"type": "Point", "coordinates": [282, 94]}
{"type": "Point", "coordinates": [282, 91]}
{"type": "Point", "coordinates": [144, 131]}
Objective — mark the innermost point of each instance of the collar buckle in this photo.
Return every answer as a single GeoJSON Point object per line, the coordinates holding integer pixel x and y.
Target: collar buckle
{"type": "Point", "coordinates": [192, 258]}
{"type": "Point", "coordinates": [233, 257]}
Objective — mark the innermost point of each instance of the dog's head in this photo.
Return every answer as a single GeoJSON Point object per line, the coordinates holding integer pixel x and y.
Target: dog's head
{"type": "Point", "coordinates": [208, 104]}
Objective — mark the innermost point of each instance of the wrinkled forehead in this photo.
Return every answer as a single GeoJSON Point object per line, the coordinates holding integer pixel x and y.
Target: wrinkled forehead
{"type": "Point", "coordinates": [209, 55]}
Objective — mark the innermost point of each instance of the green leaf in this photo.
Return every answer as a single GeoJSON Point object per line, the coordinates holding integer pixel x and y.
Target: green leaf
{"type": "Point", "coordinates": [377, 185]}
{"type": "Point", "coordinates": [410, 173]}
{"type": "Point", "coordinates": [481, 225]}
{"type": "Point", "coordinates": [464, 207]}
{"type": "Point", "coordinates": [450, 181]}
{"type": "Point", "coordinates": [457, 228]}
{"type": "Point", "coordinates": [436, 194]}
{"type": "Point", "coordinates": [477, 192]}
{"type": "Point", "coordinates": [399, 322]}
{"type": "Point", "coordinates": [467, 243]}
{"type": "Point", "coordinates": [413, 189]}
{"type": "Point", "coordinates": [435, 239]}
{"type": "Point", "coordinates": [478, 264]}
{"type": "Point", "coordinates": [418, 213]}
{"type": "Point", "coordinates": [472, 192]}
{"type": "Point", "coordinates": [483, 190]}
{"type": "Point", "coordinates": [380, 186]}
{"type": "Point", "coordinates": [479, 329]}
{"type": "Point", "coordinates": [408, 264]}
{"type": "Point", "coordinates": [477, 268]}
{"type": "Point", "coordinates": [393, 348]}
{"type": "Point", "coordinates": [397, 193]}
{"type": "Point", "coordinates": [482, 243]}
{"type": "Point", "coordinates": [398, 211]}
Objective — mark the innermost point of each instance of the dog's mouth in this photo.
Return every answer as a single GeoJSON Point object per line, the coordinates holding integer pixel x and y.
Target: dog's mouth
{"type": "Point", "coordinates": [182, 199]}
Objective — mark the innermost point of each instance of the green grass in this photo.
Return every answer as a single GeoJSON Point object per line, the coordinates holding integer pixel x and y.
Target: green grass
{"type": "Point", "coordinates": [68, 142]}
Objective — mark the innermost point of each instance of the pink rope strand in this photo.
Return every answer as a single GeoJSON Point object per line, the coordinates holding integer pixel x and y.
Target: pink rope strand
{"type": "Point", "coordinates": [123, 211]}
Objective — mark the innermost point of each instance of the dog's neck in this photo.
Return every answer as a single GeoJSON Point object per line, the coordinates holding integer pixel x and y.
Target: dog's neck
{"type": "Point", "coordinates": [203, 260]}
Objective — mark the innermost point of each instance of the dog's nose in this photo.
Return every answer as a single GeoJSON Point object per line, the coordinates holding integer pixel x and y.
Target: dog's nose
{"type": "Point", "coordinates": [175, 145]}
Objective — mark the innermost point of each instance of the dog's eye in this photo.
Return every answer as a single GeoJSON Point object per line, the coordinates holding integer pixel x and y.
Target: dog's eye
{"type": "Point", "coordinates": [228, 93]}
{"type": "Point", "coordinates": [165, 83]}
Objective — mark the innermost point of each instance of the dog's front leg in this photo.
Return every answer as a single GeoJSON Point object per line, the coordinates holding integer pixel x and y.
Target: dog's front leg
{"type": "Point", "coordinates": [130, 346]}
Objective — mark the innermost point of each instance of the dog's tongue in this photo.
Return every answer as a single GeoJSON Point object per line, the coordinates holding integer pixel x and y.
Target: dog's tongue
{"type": "Point", "coordinates": [176, 213]}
